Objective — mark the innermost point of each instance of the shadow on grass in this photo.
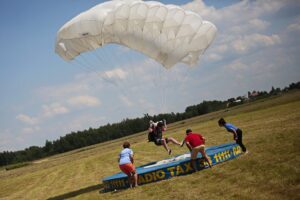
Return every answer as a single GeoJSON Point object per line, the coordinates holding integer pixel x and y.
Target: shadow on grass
{"type": "Point", "coordinates": [77, 192]}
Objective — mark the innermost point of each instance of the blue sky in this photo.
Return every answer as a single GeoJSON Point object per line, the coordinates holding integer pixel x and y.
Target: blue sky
{"type": "Point", "coordinates": [44, 97]}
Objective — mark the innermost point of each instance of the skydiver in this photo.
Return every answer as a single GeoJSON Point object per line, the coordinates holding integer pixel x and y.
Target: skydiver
{"type": "Point", "coordinates": [155, 135]}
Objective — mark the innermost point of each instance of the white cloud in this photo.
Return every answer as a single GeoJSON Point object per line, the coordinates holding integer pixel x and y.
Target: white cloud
{"type": "Point", "coordinates": [54, 109]}
{"type": "Point", "coordinates": [116, 74]}
{"type": "Point", "coordinates": [213, 57]}
{"type": "Point", "coordinates": [126, 101]}
{"type": "Point", "coordinates": [27, 119]}
{"type": "Point", "coordinates": [253, 25]}
{"type": "Point", "coordinates": [259, 24]}
{"type": "Point", "coordinates": [62, 91]}
{"type": "Point", "coordinates": [239, 12]}
{"type": "Point", "coordinates": [81, 122]}
{"type": "Point", "coordinates": [199, 6]}
{"type": "Point", "coordinates": [237, 65]}
{"type": "Point", "coordinates": [29, 130]}
{"type": "Point", "coordinates": [294, 27]}
{"type": "Point", "coordinates": [84, 100]}
{"type": "Point", "coordinates": [221, 48]}
{"type": "Point", "coordinates": [248, 42]}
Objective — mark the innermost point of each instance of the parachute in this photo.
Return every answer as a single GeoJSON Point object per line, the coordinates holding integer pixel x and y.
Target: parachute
{"type": "Point", "coordinates": [166, 33]}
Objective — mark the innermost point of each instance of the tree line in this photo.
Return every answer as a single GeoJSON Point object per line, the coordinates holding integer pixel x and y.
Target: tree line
{"type": "Point", "coordinates": [75, 140]}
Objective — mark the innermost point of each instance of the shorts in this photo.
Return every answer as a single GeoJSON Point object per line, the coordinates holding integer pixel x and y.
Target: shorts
{"type": "Point", "coordinates": [158, 141]}
{"type": "Point", "coordinates": [195, 151]}
{"type": "Point", "coordinates": [128, 169]}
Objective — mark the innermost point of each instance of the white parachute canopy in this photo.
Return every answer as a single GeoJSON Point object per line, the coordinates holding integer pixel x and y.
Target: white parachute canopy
{"type": "Point", "coordinates": [167, 33]}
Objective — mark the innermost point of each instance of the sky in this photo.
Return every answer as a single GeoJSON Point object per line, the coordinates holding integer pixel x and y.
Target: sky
{"type": "Point", "coordinates": [43, 97]}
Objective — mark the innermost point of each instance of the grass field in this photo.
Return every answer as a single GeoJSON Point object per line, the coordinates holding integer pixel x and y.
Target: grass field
{"type": "Point", "coordinates": [270, 170]}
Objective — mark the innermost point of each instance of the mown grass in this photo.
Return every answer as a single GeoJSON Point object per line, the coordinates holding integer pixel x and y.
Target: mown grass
{"type": "Point", "coordinates": [18, 165]}
{"type": "Point", "coordinates": [270, 170]}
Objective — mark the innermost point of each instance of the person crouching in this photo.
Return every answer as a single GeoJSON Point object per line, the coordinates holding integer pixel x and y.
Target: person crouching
{"type": "Point", "coordinates": [126, 164]}
{"type": "Point", "coordinates": [196, 143]}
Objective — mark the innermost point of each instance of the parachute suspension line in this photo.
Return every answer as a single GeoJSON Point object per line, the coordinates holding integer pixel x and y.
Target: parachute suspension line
{"type": "Point", "coordinates": [101, 60]}
{"type": "Point", "coordinates": [163, 88]}
{"type": "Point", "coordinates": [84, 68]}
{"type": "Point", "coordinates": [158, 85]}
{"type": "Point", "coordinates": [155, 84]}
{"type": "Point", "coordinates": [80, 65]}
{"type": "Point", "coordinates": [101, 77]}
{"type": "Point", "coordinates": [88, 68]}
{"type": "Point", "coordinates": [166, 88]}
{"type": "Point", "coordinates": [105, 57]}
{"type": "Point", "coordinates": [100, 57]}
{"type": "Point", "coordinates": [115, 61]}
{"type": "Point", "coordinates": [91, 70]}
{"type": "Point", "coordinates": [132, 67]}
{"type": "Point", "coordinates": [108, 56]}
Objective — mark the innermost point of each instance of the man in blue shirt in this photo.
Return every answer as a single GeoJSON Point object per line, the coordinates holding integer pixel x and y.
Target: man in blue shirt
{"type": "Point", "coordinates": [237, 133]}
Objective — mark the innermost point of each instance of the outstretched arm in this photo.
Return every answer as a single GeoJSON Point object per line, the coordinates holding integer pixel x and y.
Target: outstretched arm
{"type": "Point", "coordinates": [165, 124]}
{"type": "Point", "coordinates": [189, 146]}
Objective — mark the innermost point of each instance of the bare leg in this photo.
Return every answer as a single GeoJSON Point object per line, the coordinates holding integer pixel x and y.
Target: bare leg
{"type": "Point", "coordinates": [194, 164]}
{"type": "Point", "coordinates": [194, 153]}
{"type": "Point", "coordinates": [130, 181]}
{"type": "Point", "coordinates": [164, 143]}
{"type": "Point", "coordinates": [174, 141]}
{"type": "Point", "coordinates": [135, 177]}
{"type": "Point", "coordinates": [204, 155]}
